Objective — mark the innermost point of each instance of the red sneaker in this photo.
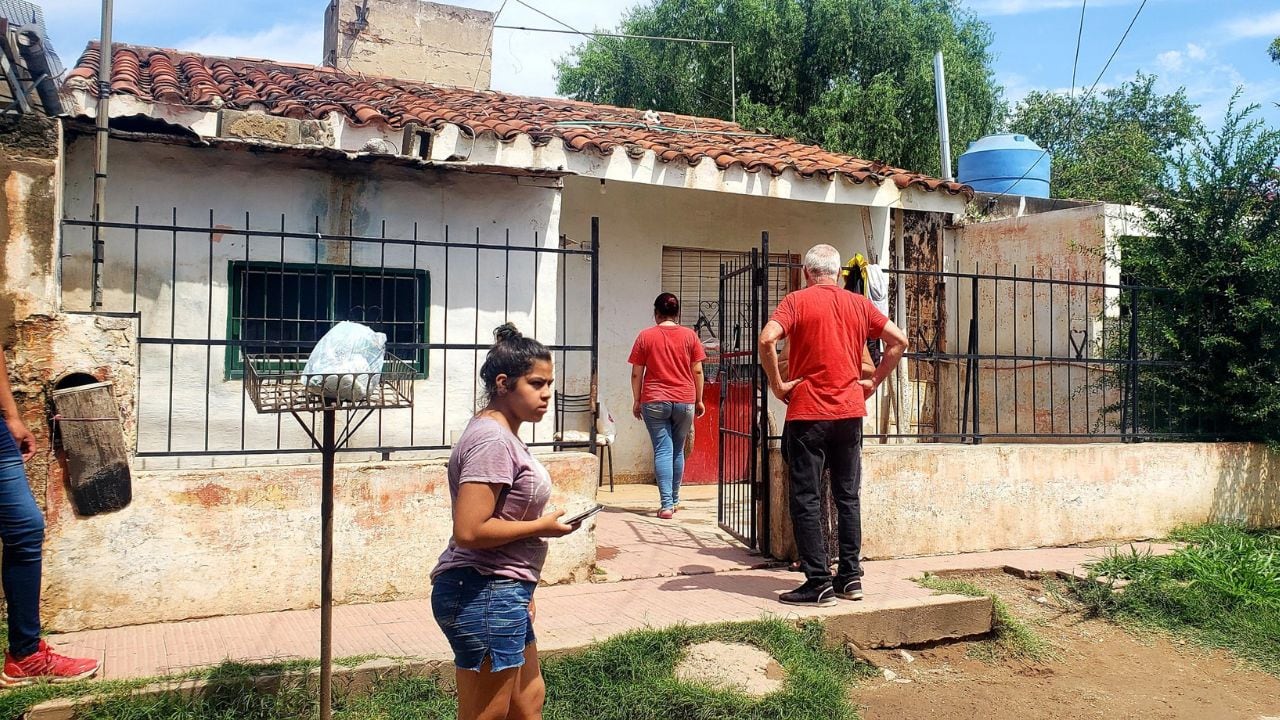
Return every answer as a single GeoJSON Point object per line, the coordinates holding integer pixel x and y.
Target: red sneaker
{"type": "Point", "coordinates": [45, 665]}
{"type": "Point", "coordinates": [666, 513]}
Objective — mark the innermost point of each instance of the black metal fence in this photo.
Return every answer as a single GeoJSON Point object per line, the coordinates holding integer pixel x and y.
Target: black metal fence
{"type": "Point", "coordinates": [205, 294]}
{"type": "Point", "coordinates": [1028, 356]}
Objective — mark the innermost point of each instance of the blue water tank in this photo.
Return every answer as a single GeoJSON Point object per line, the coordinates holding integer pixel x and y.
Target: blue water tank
{"type": "Point", "coordinates": [1007, 163]}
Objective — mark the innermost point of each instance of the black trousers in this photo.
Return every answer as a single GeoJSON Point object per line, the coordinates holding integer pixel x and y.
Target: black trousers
{"type": "Point", "coordinates": [807, 446]}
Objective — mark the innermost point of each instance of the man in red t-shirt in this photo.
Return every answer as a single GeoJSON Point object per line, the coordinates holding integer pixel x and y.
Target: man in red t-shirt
{"type": "Point", "coordinates": [826, 328]}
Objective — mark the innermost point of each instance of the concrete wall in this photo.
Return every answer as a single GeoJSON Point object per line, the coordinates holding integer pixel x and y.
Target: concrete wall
{"type": "Point", "coordinates": [1036, 319]}
{"type": "Point", "coordinates": [636, 222]}
{"type": "Point", "coordinates": [224, 190]}
{"type": "Point", "coordinates": [411, 40]}
{"type": "Point", "coordinates": [939, 498]}
{"type": "Point", "coordinates": [201, 543]}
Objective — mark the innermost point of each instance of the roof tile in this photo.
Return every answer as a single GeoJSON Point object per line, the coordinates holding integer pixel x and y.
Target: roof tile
{"type": "Point", "coordinates": [298, 91]}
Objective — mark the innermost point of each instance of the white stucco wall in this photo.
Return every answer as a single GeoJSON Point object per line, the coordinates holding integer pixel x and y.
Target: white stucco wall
{"type": "Point", "coordinates": [636, 222]}
{"type": "Point", "coordinates": [336, 198]}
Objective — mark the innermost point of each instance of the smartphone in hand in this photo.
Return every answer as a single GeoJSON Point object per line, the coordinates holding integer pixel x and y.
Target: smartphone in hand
{"type": "Point", "coordinates": [577, 519]}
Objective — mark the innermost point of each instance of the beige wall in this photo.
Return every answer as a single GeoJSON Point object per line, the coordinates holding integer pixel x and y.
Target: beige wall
{"type": "Point", "coordinates": [410, 40]}
{"type": "Point", "coordinates": [1036, 320]}
{"type": "Point", "coordinates": [636, 222]}
{"type": "Point", "coordinates": [937, 499]}
{"type": "Point", "coordinates": [206, 543]}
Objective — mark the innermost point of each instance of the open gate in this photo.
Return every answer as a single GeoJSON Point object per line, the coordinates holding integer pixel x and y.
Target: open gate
{"type": "Point", "coordinates": [743, 506]}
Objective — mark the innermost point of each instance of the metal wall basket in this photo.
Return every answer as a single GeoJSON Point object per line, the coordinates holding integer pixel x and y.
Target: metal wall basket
{"type": "Point", "coordinates": [276, 384]}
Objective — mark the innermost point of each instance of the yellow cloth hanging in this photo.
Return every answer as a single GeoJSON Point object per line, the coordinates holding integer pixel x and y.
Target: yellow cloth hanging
{"type": "Point", "coordinates": [859, 262]}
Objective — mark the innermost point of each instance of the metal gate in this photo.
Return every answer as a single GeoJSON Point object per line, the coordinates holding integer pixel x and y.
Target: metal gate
{"type": "Point", "coordinates": [742, 508]}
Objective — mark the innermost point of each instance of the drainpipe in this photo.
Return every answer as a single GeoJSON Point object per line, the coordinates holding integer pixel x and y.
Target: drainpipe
{"type": "Point", "coordinates": [100, 146]}
{"type": "Point", "coordinates": [944, 131]}
{"type": "Point", "coordinates": [31, 46]}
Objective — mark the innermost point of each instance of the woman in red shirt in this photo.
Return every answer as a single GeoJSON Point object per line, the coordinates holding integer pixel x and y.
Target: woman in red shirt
{"type": "Point", "coordinates": [666, 385]}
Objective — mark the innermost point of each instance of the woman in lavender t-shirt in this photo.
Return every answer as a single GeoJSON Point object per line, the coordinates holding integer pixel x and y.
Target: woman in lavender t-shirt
{"type": "Point", "coordinates": [482, 588]}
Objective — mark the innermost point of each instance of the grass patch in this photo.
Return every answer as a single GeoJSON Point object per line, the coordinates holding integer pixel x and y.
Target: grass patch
{"type": "Point", "coordinates": [1222, 590]}
{"type": "Point", "coordinates": [1011, 638]}
{"type": "Point", "coordinates": [628, 677]}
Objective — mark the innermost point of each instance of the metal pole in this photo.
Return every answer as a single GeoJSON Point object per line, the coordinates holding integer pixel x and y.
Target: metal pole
{"type": "Point", "coordinates": [733, 84]}
{"type": "Point", "coordinates": [944, 131]}
{"type": "Point", "coordinates": [595, 335]}
{"type": "Point", "coordinates": [102, 129]}
{"type": "Point", "coordinates": [328, 450]}
{"type": "Point", "coordinates": [764, 474]}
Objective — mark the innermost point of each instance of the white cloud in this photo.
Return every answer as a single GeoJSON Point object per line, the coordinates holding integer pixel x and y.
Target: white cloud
{"type": "Point", "coordinates": [1250, 26]}
{"type": "Point", "coordinates": [1195, 52]}
{"type": "Point", "coordinates": [1170, 62]}
{"type": "Point", "coordinates": [285, 42]}
{"type": "Point", "coordinates": [1019, 7]}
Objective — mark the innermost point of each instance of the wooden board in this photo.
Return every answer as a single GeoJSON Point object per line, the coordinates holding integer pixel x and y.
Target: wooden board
{"type": "Point", "coordinates": [93, 440]}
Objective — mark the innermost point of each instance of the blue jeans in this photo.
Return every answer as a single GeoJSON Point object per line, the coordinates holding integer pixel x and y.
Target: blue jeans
{"type": "Point", "coordinates": [483, 615]}
{"type": "Point", "coordinates": [669, 425]}
{"type": "Point", "coordinates": [22, 532]}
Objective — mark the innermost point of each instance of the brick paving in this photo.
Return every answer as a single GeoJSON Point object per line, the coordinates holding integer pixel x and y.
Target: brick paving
{"type": "Point", "coordinates": [655, 574]}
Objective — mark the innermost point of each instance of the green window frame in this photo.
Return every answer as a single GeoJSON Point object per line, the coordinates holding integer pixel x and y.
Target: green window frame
{"type": "Point", "coordinates": [289, 306]}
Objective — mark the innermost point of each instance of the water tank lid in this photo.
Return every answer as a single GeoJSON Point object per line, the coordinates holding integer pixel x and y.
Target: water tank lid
{"type": "Point", "coordinates": [1003, 141]}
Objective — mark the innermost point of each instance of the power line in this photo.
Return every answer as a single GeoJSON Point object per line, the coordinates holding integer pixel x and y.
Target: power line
{"type": "Point", "coordinates": [1079, 106]}
{"type": "Point", "coordinates": [732, 105]}
{"type": "Point", "coordinates": [489, 44]}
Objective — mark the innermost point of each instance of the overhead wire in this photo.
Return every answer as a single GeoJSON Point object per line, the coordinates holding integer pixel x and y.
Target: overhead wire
{"type": "Point", "coordinates": [1080, 105]}
{"type": "Point", "coordinates": [723, 103]}
{"type": "Point", "coordinates": [488, 44]}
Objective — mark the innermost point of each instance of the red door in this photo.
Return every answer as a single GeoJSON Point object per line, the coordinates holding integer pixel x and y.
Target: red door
{"type": "Point", "coordinates": [701, 467]}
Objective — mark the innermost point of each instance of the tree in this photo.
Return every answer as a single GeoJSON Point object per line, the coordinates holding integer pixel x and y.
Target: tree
{"type": "Point", "coordinates": [1215, 243]}
{"type": "Point", "coordinates": [1117, 146]}
{"type": "Point", "coordinates": [1274, 50]}
{"type": "Point", "coordinates": [855, 76]}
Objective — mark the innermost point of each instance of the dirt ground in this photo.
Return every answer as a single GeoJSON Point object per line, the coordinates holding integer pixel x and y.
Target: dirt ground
{"type": "Point", "coordinates": [1101, 671]}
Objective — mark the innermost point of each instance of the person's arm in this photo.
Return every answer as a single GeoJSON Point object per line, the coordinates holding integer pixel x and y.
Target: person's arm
{"type": "Point", "coordinates": [475, 527]}
{"type": "Point", "coordinates": [699, 380]}
{"type": "Point", "coordinates": [866, 379]}
{"type": "Point", "coordinates": [895, 344]}
{"type": "Point", "coordinates": [9, 409]}
{"type": "Point", "coordinates": [637, 384]}
{"type": "Point", "coordinates": [769, 338]}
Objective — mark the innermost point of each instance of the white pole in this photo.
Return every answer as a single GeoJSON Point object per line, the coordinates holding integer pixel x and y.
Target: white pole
{"type": "Point", "coordinates": [944, 131]}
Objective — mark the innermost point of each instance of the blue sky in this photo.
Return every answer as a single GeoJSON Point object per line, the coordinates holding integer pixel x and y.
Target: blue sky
{"type": "Point", "coordinates": [1208, 47]}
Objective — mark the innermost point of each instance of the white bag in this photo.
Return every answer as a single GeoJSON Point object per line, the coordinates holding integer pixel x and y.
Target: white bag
{"type": "Point", "coordinates": [347, 360]}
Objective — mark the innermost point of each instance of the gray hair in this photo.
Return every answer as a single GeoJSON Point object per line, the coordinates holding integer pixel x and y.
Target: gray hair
{"type": "Point", "coordinates": [822, 261]}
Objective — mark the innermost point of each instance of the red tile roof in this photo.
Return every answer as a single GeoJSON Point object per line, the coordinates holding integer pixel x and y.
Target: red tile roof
{"type": "Point", "coordinates": [299, 91]}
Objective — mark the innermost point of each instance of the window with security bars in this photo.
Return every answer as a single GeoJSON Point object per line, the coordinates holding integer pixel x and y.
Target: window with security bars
{"type": "Point", "coordinates": [693, 275]}
{"type": "Point", "coordinates": [275, 308]}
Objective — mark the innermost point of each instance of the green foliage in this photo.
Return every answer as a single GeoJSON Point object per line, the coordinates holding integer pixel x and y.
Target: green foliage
{"type": "Point", "coordinates": [627, 677]}
{"type": "Point", "coordinates": [1214, 243]}
{"type": "Point", "coordinates": [1274, 50]}
{"type": "Point", "coordinates": [1115, 146]}
{"type": "Point", "coordinates": [1011, 638]}
{"type": "Point", "coordinates": [853, 75]}
{"type": "Point", "coordinates": [1221, 590]}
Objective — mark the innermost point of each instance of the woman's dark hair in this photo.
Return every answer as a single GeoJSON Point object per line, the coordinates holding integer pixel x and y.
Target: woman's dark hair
{"type": "Point", "coordinates": [513, 355]}
{"type": "Point", "coordinates": [666, 305]}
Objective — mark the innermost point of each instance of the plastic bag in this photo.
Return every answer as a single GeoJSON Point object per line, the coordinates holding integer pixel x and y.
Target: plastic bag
{"type": "Point", "coordinates": [605, 424]}
{"type": "Point", "coordinates": [347, 362]}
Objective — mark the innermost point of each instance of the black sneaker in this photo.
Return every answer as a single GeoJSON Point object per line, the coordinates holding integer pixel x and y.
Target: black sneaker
{"type": "Point", "coordinates": [848, 588]}
{"type": "Point", "coordinates": [816, 591]}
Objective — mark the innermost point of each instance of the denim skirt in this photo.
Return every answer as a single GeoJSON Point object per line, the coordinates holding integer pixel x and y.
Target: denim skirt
{"type": "Point", "coordinates": [483, 615]}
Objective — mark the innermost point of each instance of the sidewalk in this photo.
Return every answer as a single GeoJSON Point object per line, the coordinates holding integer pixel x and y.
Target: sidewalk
{"type": "Point", "coordinates": [569, 616]}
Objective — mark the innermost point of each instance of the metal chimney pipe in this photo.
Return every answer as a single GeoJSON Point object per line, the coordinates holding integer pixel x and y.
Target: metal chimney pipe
{"type": "Point", "coordinates": [944, 129]}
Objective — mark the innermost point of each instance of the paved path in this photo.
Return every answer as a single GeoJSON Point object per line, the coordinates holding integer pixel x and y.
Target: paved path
{"type": "Point", "coordinates": [568, 615]}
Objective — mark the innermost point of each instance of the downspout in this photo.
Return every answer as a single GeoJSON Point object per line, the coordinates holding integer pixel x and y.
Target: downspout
{"type": "Point", "coordinates": [101, 137]}
{"type": "Point", "coordinates": [31, 46]}
{"type": "Point", "coordinates": [944, 130]}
